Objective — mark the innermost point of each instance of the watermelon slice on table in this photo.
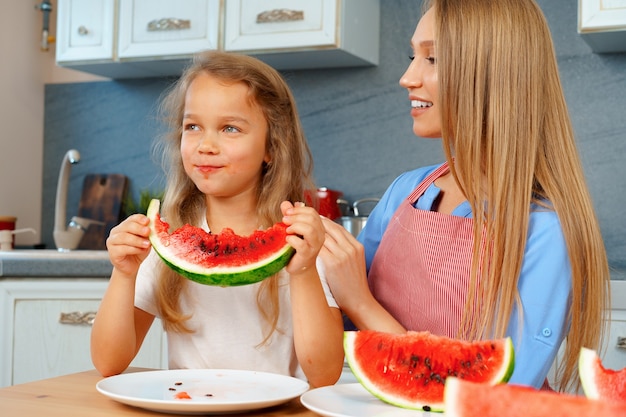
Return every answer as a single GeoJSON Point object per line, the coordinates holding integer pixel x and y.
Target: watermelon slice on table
{"type": "Point", "coordinates": [409, 370]}
{"type": "Point", "coordinates": [224, 259]}
{"type": "Point", "coordinates": [597, 381]}
{"type": "Point", "coordinates": [471, 399]}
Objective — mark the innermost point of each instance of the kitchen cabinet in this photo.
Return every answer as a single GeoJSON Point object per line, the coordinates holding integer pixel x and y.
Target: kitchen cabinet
{"type": "Point", "coordinates": [134, 38]}
{"type": "Point", "coordinates": [293, 34]}
{"type": "Point", "coordinates": [602, 24]}
{"type": "Point", "coordinates": [85, 30]}
{"type": "Point", "coordinates": [46, 328]}
{"type": "Point", "coordinates": [149, 28]}
{"type": "Point", "coordinates": [613, 351]}
{"type": "Point", "coordinates": [143, 38]}
{"type": "Point", "coordinates": [614, 356]}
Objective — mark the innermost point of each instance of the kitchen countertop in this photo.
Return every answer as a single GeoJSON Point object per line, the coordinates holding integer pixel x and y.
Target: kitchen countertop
{"type": "Point", "coordinates": [52, 263]}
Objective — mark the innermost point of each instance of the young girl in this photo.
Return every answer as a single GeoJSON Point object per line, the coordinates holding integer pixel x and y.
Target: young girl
{"type": "Point", "coordinates": [236, 155]}
{"type": "Point", "coordinates": [501, 239]}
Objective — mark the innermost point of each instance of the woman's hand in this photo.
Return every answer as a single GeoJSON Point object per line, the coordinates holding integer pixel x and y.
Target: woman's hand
{"type": "Point", "coordinates": [305, 234]}
{"type": "Point", "coordinates": [128, 244]}
{"type": "Point", "coordinates": [344, 261]}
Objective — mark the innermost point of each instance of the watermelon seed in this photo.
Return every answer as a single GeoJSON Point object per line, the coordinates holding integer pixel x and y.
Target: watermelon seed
{"type": "Point", "coordinates": [437, 378]}
{"type": "Point", "coordinates": [427, 363]}
{"type": "Point", "coordinates": [426, 408]}
{"type": "Point", "coordinates": [415, 360]}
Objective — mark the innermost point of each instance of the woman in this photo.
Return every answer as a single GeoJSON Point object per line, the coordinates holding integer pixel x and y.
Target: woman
{"type": "Point", "coordinates": [501, 239]}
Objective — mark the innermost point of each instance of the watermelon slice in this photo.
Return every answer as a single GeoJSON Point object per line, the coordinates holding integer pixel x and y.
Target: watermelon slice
{"type": "Point", "coordinates": [224, 259]}
{"type": "Point", "coordinates": [470, 399]}
{"type": "Point", "coordinates": [409, 370]}
{"type": "Point", "coordinates": [598, 382]}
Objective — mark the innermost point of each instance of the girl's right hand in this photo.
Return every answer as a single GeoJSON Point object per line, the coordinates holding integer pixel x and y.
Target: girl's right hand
{"type": "Point", "coordinates": [128, 244]}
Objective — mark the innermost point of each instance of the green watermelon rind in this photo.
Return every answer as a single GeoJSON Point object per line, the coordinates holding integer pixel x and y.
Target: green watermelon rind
{"type": "Point", "coordinates": [587, 367]}
{"type": "Point", "coordinates": [502, 376]}
{"type": "Point", "coordinates": [218, 276]}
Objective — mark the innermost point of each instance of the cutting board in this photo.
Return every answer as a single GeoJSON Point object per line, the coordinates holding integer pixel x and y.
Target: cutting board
{"type": "Point", "coordinates": [101, 200]}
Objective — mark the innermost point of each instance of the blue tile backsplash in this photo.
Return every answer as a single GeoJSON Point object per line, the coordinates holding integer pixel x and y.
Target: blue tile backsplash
{"type": "Point", "coordinates": [356, 120]}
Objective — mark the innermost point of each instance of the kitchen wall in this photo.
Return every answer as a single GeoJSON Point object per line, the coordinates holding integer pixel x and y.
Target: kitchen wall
{"type": "Point", "coordinates": [357, 122]}
{"type": "Point", "coordinates": [24, 71]}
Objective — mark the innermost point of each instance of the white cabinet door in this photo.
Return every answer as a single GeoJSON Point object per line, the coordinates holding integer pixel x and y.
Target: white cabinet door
{"type": "Point", "coordinates": [85, 30]}
{"type": "Point", "coordinates": [47, 327]}
{"type": "Point", "coordinates": [615, 350]}
{"type": "Point", "coordinates": [297, 34]}
{"type": "Point", "coordinates": [602, 24]}
{"type": "Point", "coordinates": [162, 28]}
{"type": "Point", "coordinates": [279, 24]}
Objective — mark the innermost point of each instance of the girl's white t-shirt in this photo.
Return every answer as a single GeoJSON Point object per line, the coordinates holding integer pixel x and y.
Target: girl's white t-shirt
{"type": "Point", "coordinates": [228, 327]}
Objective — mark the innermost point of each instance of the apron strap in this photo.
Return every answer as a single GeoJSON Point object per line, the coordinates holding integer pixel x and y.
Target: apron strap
{"type": "Point", "coordinates": [421, 188]}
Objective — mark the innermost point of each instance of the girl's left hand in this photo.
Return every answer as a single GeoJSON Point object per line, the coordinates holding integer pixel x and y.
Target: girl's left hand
{"type": "Point", "coordinates": [306, 235]}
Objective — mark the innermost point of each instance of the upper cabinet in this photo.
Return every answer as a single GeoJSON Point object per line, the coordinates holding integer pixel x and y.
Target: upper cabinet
{"type": "Point", "coordinates": [134, 38]}
{"type": "Point", "coordinates": [602, 24]}
{"type": "Point", "coordinates": [146, 38]}
{"type": "Point", "coordinates": [85, 30]}
{"type": "Point", "coordinates": [293, 34]}
{"type": "Point", "coordinates": [150, 28]}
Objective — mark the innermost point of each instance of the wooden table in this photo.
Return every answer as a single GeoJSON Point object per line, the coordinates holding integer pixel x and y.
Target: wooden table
{"type": "Point", "coordinates": [76, 395]}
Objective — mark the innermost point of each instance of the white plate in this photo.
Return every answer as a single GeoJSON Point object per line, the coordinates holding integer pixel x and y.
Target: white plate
{"type": "Point", "coordinates": [352, 400]}
{"type": "Point", "coordinates": [211, 390]}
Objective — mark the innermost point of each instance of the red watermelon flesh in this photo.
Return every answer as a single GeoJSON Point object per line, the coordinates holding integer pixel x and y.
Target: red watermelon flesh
{"type": "Point", "coordinates": [409, 370]}
{"type": "Point", "coordinates": [599, 382]}
{"type": "Point", "coordinates": [471, 399]}
{"type": "Point", "coordinates": [224, 259]}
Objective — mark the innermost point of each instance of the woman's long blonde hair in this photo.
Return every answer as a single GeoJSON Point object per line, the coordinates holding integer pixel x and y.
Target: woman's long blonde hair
{"type": "Point", "coordinates": [505, 121]}
{"type": "Point", "coordinates": [285, 177]}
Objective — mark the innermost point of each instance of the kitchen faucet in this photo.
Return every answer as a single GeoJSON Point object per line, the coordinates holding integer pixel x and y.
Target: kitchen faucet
{"type": "Point", "coordinates": [67, 239]}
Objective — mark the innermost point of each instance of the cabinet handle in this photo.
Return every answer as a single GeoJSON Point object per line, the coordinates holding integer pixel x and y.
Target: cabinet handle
{"type": "Point", "coordinates": [621, 342]}
{"type": "Point", "coordinates": [82, 30]}
{"type": "Point", "coordinates": [280, 15]}
{"type": "Point", "coordinates": [168, 23]}
{"type": "Point", "coordinates": [78, 317]}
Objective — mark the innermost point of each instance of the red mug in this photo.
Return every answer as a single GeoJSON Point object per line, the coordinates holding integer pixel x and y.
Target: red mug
{"type": "Point", "coordinates": [326, 202]}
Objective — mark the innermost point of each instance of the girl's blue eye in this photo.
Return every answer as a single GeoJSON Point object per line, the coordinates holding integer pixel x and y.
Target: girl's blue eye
{"type": "Point", "coordinates": [231, 129]}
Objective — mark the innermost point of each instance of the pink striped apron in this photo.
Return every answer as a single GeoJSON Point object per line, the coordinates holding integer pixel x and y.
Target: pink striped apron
{"type": "Point", "coordinates": [420, 272]}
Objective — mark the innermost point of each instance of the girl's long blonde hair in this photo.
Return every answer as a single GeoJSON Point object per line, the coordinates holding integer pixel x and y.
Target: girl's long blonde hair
{"type": "Point", "coordinates": [506, 123]}
{"type": "Point", "coordinates": [285, 177]}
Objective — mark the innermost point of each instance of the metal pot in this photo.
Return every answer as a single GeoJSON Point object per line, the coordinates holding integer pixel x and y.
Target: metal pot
{"type": "Point", "coordinates": [354, 223]}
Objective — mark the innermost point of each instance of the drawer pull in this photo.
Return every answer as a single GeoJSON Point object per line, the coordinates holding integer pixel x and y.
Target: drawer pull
{"type": "Point", "coordinates": [168, 23]}
{"type": "Point", "coordinates": [621, 342]}
{"type": "Point", "coordinates": [78, 317]}
{"type": "Point", "coordinates": [280, 15]}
